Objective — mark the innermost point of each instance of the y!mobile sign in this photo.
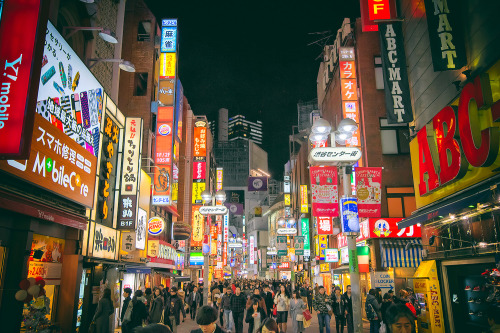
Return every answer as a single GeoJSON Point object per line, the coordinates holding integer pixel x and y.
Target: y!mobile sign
{"type": "Point", "coordinates": [21, 31]}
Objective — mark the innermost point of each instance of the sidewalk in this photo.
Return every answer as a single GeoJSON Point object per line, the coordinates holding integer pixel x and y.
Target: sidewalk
{"type": "Point", "coordinates": [189, 325]}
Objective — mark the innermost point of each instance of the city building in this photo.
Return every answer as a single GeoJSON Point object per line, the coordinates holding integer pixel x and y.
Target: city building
{"type": "Point", "coordinates": [236, 127]}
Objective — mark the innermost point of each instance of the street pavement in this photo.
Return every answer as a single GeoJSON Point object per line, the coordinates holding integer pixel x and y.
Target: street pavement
{"type": "Point", "coordinates": [188, 325]}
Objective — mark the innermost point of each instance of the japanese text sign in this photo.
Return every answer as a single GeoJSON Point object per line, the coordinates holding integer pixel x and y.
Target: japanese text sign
{"type": "Point", "coordinates": [57, 164]}
{"type": "Point", "coordinates": [200, 142]}
{"type": "Point", "coordinates": [331, 255]}
{"type": "Point", "coordinates": [167, 65]}
{"type": "Point", "coordinates": [305, 233]}
{"type": "Point", "coordinates": [369, 191]}
{"type": "Point", "coordinates": [168, 39]}
{"type": "Point", "coordinates": [325, 225]}
{"type": "Point", "coordinates": [388, 228]}
{"type": "Point", "coordinates": [163, 156]}
{"type": "Point", "coordinates": [304, 200]}
{"type": "Point", "coordinates": [105, 242]}
{"type": "Point", "coordinates": [350, 218]}
{"type": "Point", "coordinates": [324, 191]}
{"type": "Point", "coordinates": [220, 175]}
{"type": "Point", "coordinates": [198, 228]}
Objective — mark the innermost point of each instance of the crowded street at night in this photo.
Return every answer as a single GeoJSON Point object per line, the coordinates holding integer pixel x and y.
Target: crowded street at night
{"type": "Point", "coordinates": [249, 167]}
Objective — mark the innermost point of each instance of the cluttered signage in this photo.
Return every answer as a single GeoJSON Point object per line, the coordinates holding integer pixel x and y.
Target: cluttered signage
{"type": "Point", "coordinates": [129, 193]}
{"type": "Point", "coordinates": [305, 232]}
{"type": "Point", "coordinates": [57, 163]}
{"type": "Point", "coordinates": [397, 89]}
{"type": "Point", "coordinates": [445, 35]}
{"type": "Point", "coordinates": [447, 151]}
{"type": "Point", "coordinates": [388, 228]}
{"type": "Point", "coordinates": [287, 226]}
{"type": "Point", "coordinates": [325, 225]}
{"type": "Point", "coordinates": [369, 191]}
{"type": "Point", "coordinates": [364, 233]}
{"type": "Point", "coordinates": [21, 32]}
{"type": "Point", "coordinates": [324, 191]}
{"type": "Point", "coordinates": [282, 245]}
{"type": "Point", "coordinates": [161, 252]}
{"type": "Point", "coordinates": [105, 244]}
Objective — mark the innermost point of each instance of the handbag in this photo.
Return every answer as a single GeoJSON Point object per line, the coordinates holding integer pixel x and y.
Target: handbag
{"type": "Point", "coordinates": [307, 323]}
{"type": "Point", "coordinates": [128, 313]}
{"type": "Point", "coordinates": [275, 311]}
{"type": "Point", "coordinates": [299, 317]}
{"type": "Point", "coordinates": [330, 312]}
{"type": "Point", "coordinates": [92, 327]}
{"type": "Point", "coordinates": [307, 315]}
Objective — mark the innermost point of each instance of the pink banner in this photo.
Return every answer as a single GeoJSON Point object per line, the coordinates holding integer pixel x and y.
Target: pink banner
{"type": "Point", "coordinates": [324, 191]}
{"type": "Point", "coordinates": [369, 191]}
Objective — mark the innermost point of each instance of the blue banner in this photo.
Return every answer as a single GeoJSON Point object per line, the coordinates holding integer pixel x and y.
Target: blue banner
{"type": "Point", "coordinates": [349, 211]}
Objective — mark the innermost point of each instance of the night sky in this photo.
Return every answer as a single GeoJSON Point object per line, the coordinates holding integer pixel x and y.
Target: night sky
{"type": "Point", "coordinates": [253, 59]}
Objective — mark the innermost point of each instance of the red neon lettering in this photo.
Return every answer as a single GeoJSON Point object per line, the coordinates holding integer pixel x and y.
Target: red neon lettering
{"type": "Point", "coordinates": [426, 165]}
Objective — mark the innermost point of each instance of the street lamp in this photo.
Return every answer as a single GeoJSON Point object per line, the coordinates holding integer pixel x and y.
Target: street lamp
{"type": "Point", "coordinates": [345, 131]}
{"type": "Point", "coordinates": [321, 126]}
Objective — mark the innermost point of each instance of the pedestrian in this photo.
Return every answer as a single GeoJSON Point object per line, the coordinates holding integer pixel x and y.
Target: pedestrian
{"type": "Point", "coordinates": [338, 310]}
{"type": "Point", "coordinates": [226, 310]}
{"type": "Point", "coordinates": [347, 296]}
{"type": "Point", "coordinates": [269, 299]}
{"type": "Point", "coordinates": [182, 295]}
{"type": "Point", "coordinates": [403, 299]}
{"type": "Point", "coordinates": [148, 294]}
{"type": "Point", "coordinates": [386, 302]}
{"type": "Point", "coordinates": [268, 326]}
{"type": "Point", "coordinates": [173, 310]}
{"type": "Point", "coordinates": [310, 298]}
{"type": "Point", "coordinates": [156, 308]}
{"type": "Point", "coordinates": [255, 316]}
{"type": "Point", "coordinates": [139, 311]}
{"type": "Point", "coordinates": [282, 301]}
{"type": "Point", "coordinates": [153, 328]}
{"type": "Point", "coordinates": [372, 310]}
{"type": "Point", "coordinates": [322, 304]}
{"type": "Point", "coordinates": [256, 296]}
{"type": "Point", "coordinates": [104, 310]}
{"type": "Point", "coordinates": [297, 307]}
{"type": "Point", "coordinates": [206, 318]}
{"type": "Point", "coordinates": [237, 306]}
{"type": "Point", "coordinates": [194, 301]}
{"type": "Point", "coordinates": [400, 319]}
{"type": "Point", "coordinates": [126, 303]}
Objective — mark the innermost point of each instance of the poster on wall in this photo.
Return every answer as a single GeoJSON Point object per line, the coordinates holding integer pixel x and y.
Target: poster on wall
{"type": "Point", "coordinates": [140, 231]}
{"type": "Point", "coordinates": [324, 191]}
{"type": "Point", "coordinates": [369, 191]}
{"type": "Point", "coordinates": [69, 96]}
{"type": "Point", "coordinates": [397, 89]}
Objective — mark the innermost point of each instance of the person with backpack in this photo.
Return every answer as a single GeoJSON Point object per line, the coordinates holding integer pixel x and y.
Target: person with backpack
{"type": "Point", "coordinates": [157, 305]}
{"type": "Point", "coordinates": [372, 309]}
{"type": "Point", "coordinates": [126, 303]}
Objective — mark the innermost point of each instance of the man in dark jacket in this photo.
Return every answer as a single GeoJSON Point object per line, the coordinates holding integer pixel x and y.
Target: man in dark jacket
{"type": "Point", "coordinates": [206, 318]}
{"type": "Point", "coordinates": [173, 309]}
{"type": "Point", "coordinates": [347, 296]}
{"type": "Point", "coordinates": [238, 304]}
{"type": "Point", "coordinates": [269, 300]}
{"type": "Point", "coordinates": [193, 301]}
{"type": "Point", "coordinates": [372, 309]}
{"type": "Point", "coordinates": [256, 295]}
{"type": "Point", "coordinates": [126, 299]}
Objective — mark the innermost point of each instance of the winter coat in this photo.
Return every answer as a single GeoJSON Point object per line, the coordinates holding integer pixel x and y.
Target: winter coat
{"type": "Point", "coordinates": [269, 302]}
{"type": "Point", "coordinates": [370, 299]}
{"type": "Point", "coordinates": [124, 307]}
{"type": "Point", "coordinates": [297, 307]}
{"type": "Point", "coordinates": [320, 303]}
{"type": "Point", "coordinates": [251, 320]}
{"type": "Point", "coordinates": [157, 306]}
{"type": "Point", "coordinates": [226, 301]}
{"type": "Point", "coordinates": [338, 307]}
{"type": "Point", "coordinates": [182, 295]}
{"type": "Point", "coordinates": [139, 312]}
{"type": "Point", "coordinates": [174, 307]}
{"type": "Point", "coordinates": [347, 303]}
{"type": "Point", "coordinates": [101, 318]}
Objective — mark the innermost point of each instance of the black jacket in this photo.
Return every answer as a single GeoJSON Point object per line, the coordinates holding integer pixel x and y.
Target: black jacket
{"type": "Point", "coordinates": [217, 330]}
{"type": "Point", "coordinates": [124, 307]}
{"type": "Point", "coordinates": [347, 303]}
{"type": "Point", "coordinates": [269, 301]}
{"type": "Point", "coordinates": [139, 312]}
{"type": "Point", "coordinates": [338, 307]}
{"type": "Point", "coordinates": [250, 320]}
{"type": "Point", "coordinates": [174, 307]}
{"type": "Point", "coordinates": [157, 306]}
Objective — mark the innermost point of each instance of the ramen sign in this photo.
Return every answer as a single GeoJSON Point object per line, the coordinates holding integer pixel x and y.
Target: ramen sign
{"type": "Point", "coordinates": [156, 225]}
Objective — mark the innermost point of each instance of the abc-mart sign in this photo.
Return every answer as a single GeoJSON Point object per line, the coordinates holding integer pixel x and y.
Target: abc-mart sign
{"type": "Point", "coordinates": [334, 156]}
{"type": "Point", "coordinates": [213, 210]}
{"type": "Point", "coordinates": [458, 139]}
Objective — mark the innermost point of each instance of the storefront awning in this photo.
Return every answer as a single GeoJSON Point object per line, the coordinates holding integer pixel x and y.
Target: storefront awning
{"type": "Point", "coordinates": [139, 270]}
{"type": "Point", "coordinates": [344, 269]}
{"type": "Point", "coordinates": [455, 203]}
{"type": "Point", "coordinates": [394, 253]}
{"type": "Point", "coordinates": [182, 278]}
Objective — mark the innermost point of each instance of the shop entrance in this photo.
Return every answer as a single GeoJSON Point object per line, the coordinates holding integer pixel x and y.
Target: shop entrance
{"type": "Point", "coordinates": [466, 293]}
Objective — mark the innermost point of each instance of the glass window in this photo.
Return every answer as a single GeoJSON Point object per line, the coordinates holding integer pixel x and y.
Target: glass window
{"type": "Point", "coordinates": [140, 84]}
{"type": "Point", "coordinates": [395, 138]}
{"type": "Point", "coordinates": [379, 74]}
{"type": "Point", "coordinates": [144, 31]}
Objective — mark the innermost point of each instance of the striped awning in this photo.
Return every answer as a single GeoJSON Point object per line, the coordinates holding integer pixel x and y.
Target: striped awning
{"type": "Point", "coordinates": [394, 254]}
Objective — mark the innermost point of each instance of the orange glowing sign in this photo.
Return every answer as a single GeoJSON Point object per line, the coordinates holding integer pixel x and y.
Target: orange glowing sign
{"type": "Point", "coordinates": [200, 142]}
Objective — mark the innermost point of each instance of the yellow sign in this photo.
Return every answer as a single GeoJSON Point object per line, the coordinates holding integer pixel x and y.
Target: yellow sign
{"type": "Point", "coordinates": [473, 175]}
{"type": "Point", "coordinates": [198, 188]}
{"type": "Point", "coordinates": [153, 248]}
{"type": "Point", "coordinates": [324, 268]}
{"type": "Point", "coordinates": [175, 191]}
{"type": "Point", "coordinates": [287, 200]}
{"type": "Point", "coordinates": [167, 65]}
{"type": "Point", "coordinates": [425, 281]}
{"type": "Point", "coordinates": [304, 204]}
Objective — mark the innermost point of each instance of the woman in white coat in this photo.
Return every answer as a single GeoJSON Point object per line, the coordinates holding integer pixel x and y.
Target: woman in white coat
{"type": "Point", "coordinates": [297, 306]}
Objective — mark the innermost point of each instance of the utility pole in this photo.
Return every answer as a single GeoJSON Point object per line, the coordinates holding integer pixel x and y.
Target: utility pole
{"type": "Point", "coordinates": [353, 261]}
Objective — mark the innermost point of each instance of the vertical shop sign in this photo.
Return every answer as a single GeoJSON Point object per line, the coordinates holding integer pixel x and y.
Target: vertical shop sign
{"type": "Point", "coordinates": [224, 255]}
{"type": "Point", "coordinates": [304, 201]}
{"type": "Point", "coordinates": [375, 11]}
{"type": "Point", "coordinates": [163, 156]}
{"type": "Point", "coordinates": [305, 232]}
{"type": "Point", "coordinates": [140, 230]}
{"type": "Point", "coordinates": [179, 110]}
{"type": "Point", "coordinates": [168, 66]}
{"type": "Point", "coordinates": [252, 249]}
{"type": "Point", "coordinates": [226, 228]}
{"type": "Point", "coordinates": [282, 245]}
{"type": "Point", "coordinates": [397, 89]}
{"type": "Point", "coordinates": [369, 191]}
{"type": "Point", "coordinates": [20, 21]}
{"type": "Point", "coordinates": [199, 160]}
{"type": "Point", "coordinates": [131, 165]}
{"type": "Point", "coordinates": [323, 244]}
{"type": "Point", "coordinates": [299, 245]}
{"type": "Point", "coordinates": [168, 36]}
{"type": "Point", "coordinates": [325, 225]}
{"type": "Point", "coordinates": [324, 191]}
{"type": "Point", "coordinates": [350, 219]}
{"type": "Point", "coordinates": [220, 175]}
{"type": "Point", "coordinates": [198, 224]}
{"type": "Point", "coordinates": [107, 174]}
{"type": "Point", "coordinates": [445, 35]}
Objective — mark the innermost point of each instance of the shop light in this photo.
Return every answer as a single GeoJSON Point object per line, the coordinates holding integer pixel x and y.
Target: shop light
{"type": "Point", "coordinates": [465, 217]}
{"type": "Point", "coordinates": [419, 225]}
{"type": "Point", "coordinates": [452, 216]}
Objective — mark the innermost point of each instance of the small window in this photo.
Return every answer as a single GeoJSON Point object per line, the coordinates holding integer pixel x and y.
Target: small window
{"type": "Point", "coordinates": [144, 31]}
{"type": "Point", "coordinates": [379, 74]}
{"type": "Point", "coordinates": [400, 201]}
{"type": "Point", "coordinates": [140, 84]}
{"type": "Point", "coordinates": [395, 138]}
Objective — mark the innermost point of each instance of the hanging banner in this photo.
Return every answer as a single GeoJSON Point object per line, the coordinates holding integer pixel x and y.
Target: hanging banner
{"type": "Point", "coordinates": [323, 244]}
{"type": "Point", "coordinates": [197, 234]}
{"type": "Point", "coordinates": [305, 232]}
{"type": "Point", "coordinates": [325, 196]}
{"type": "Point", "coordinates": [350, 219]}
{"type": "Point", "coordinates": [397, 89]}
{"type": "Point", "coordinates": [445, 37]}
{"type": "Point", "coordinates": [282, 245]}
{"type": "Point", "coordinates": [257, 183]}
{"type": "Point", "coordinates": [304, 201]}
{"type": "Point", "coordinates": [252, 250]}
{"type": "Point", "coordinates": [234, 208]}
{"type": "Point", "coordinates": [369, 191]}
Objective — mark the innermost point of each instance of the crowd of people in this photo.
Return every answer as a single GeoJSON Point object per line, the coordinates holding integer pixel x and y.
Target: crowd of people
{"type": "Point", "coordinates": [267, 306]}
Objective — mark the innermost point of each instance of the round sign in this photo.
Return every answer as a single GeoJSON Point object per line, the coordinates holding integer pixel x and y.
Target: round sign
{"type": "Point", "coordinates": [164, 129]}
{"type": "Point", "coordinates": [156, 225]}
{"type": "Point", "coordinates": [257, 183]}
{"type": "Point", "coordinates": [233, 209]}
{"type": "Point", "coordinates": [362, 193]}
